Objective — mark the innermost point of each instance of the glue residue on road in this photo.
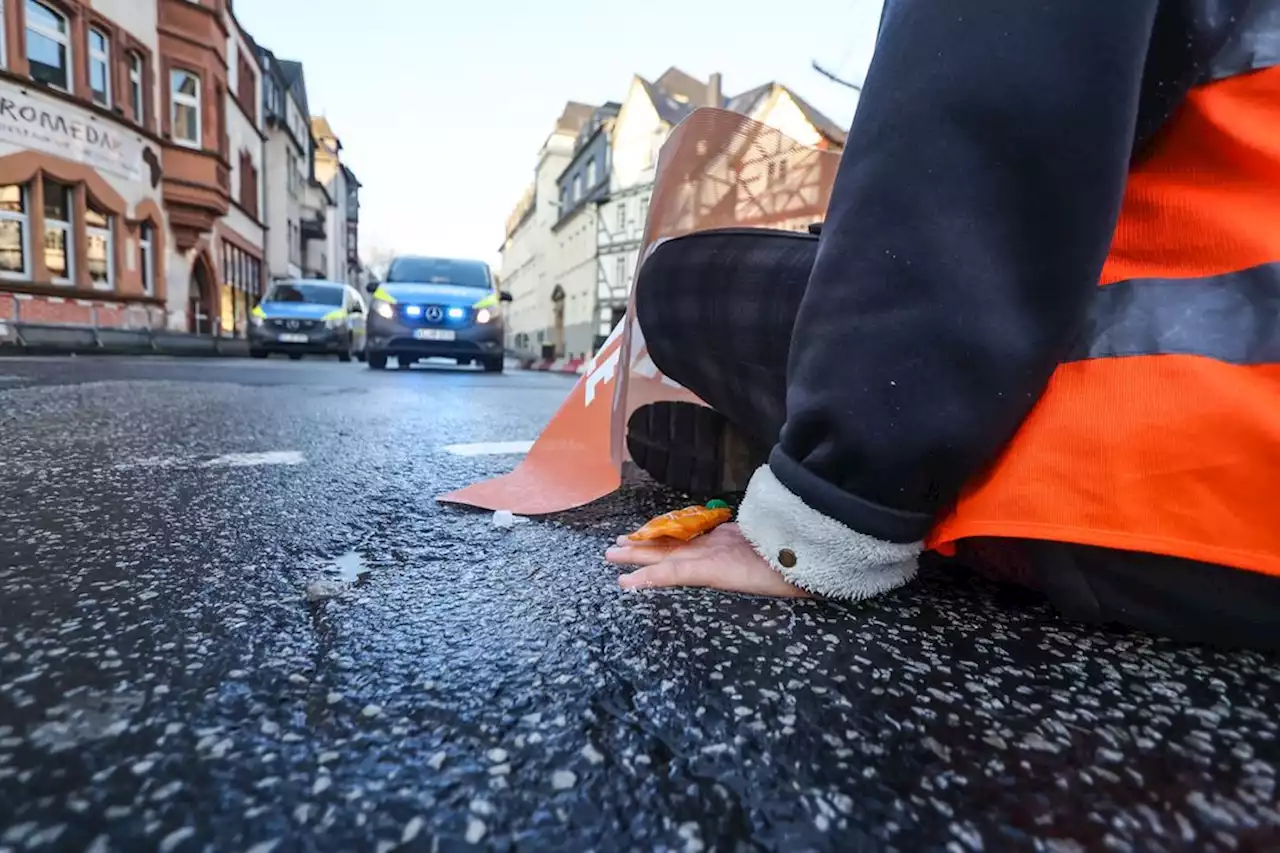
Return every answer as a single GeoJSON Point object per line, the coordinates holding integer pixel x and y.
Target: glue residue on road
{"type": "Point", "coordinates": [348, 568]}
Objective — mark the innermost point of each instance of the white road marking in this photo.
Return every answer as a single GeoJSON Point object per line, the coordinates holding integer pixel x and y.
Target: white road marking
{"type": "Point", "coordinates": [249, 460]}
{"type": "Point", "coordinates": [490, 448]}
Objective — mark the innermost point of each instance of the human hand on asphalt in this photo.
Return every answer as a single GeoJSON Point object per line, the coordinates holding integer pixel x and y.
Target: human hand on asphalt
{"type": "Point", "coordinates": [722, 559]}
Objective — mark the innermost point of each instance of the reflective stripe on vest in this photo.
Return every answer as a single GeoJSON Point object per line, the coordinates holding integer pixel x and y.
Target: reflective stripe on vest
{"type": "Point", "coordinates": [1161, 431]}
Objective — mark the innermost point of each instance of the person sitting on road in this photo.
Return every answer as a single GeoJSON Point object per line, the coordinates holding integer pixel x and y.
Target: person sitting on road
{"type": "Point", "coordinates": [1038, 328]}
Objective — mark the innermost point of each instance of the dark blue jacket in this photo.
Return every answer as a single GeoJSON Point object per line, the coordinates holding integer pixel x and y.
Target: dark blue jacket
{"type": "Point", "coordinates": [969, 223]}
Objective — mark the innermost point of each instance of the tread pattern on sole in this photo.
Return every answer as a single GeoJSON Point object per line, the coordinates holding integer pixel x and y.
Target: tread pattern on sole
{"type": "Point", "coordinates": [690, 448]}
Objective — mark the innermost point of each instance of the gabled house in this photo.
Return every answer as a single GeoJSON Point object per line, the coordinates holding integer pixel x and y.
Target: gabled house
{"type": "Point", "coordinates": [644, 121]}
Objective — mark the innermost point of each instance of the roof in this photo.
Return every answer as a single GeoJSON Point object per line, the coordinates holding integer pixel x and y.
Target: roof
{"type": "Point", "coordinates": [676, 94]}
{"type": "Point", "coordinates": [350, 175]}
{"type": "Point", "coordinates": [750, 99]}
{"type": "Point", "coordinates": [683, 86]}
{"type": "Point", "coordinates": [575, 115]}
{"type": "Point", "coordinates": [291, 70]}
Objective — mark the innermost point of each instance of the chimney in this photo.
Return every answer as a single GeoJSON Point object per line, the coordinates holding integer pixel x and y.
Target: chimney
{"type": "Point", "coordinates": [715, 97]}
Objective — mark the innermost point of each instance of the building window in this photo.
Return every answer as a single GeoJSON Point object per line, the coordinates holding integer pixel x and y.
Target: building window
{"type": "Point", "coordinates": [100, 67]}
{"type": "Point", "coordinates": [135, 86]}
{"type": "Point", "coordinates": [621, 281]}
{"type": "Point", "coordinates": [591, 173]}
{"type": "Point", "coordinates": [58, 249]}
{"type": "Point", "coordinates": [622, 215]}
{"type": "Point", "coordinates": [577, 186]}
{"type": "Point", "coordinates": [644, 211]}
{"type": "Point", "coordinates": [146, 258]}
{"type": "Point", "coordinates": [248, 184]}
{"type": "Point", "coordinates": [246, 84]}
{"type": "Point", "coordinates": [4, 33]}
{"type": "Point", "coordinates": [48, 46]}
{"type": "Point", "coordinates": [185, 108]}
{"type": "Point", "coordinates": [98, 246]}
{"type": "Point", "coordinates": [14, 225]}
{"type": "Point", "coordinates": [291, 163]}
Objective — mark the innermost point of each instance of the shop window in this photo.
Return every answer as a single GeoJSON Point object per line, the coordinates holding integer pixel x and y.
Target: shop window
{"type": "Point", "coordinates": [100, 67]}
{"type": "Point", "coordinates": [15, 225]}
{"type": "Point", "coordinates": [146, 258]}
{"type": "Point", "coordinates": [98, 245]}
{"type": "Point", "coordinates": [136, 101]}
{"type": "Point", "coordinates": [184, 114]}
{"type": "Point", "coordinates": [58, 245]}
{"type": "Point", "coordinates": [4, 32]}
{"type": "Point", "coordinates": [48, 46]}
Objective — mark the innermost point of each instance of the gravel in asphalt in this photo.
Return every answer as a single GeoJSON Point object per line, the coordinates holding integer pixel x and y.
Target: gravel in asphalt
{"type": "Point", "coordinates": [234, 618]}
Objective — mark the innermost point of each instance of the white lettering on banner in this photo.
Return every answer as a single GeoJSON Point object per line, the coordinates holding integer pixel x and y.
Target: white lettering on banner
{"type": "Point", "coordinates": [603, 373]}
{"type": "Point", "coordinates": [67, 132]}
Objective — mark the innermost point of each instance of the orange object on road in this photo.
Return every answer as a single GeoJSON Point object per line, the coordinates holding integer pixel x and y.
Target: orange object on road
{"type": "Point", "coordinates": [685, 524]}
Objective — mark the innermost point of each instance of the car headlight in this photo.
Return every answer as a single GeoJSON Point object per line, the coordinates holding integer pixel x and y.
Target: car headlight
{"type": "Point", "coordinates": [384, 309]}
{"type": "Point", "coordinates": [256, 322]}
{"type": "Point", "coordinates": [484, 315]}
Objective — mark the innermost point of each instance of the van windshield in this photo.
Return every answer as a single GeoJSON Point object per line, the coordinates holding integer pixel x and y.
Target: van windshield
{"type": "Point", "coordinates": [294, 291]}
{"type": "Point", "coordinates": [439, 271]}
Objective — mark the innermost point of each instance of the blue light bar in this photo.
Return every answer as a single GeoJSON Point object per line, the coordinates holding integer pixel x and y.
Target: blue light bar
{"type": "Point", "coordinates": [413, 310]}
{"type": "Point", "coordinates": [456, 313]}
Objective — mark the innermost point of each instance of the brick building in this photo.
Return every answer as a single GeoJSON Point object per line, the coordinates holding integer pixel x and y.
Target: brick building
{"type": "Point", "coordinates": [131, 144]}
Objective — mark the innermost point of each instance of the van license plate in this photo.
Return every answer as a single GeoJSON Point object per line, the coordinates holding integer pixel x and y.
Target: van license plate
{"type": "Point", "coordinates": [435, 334]}
{"type": "Point", "coordinates": [293, 339]}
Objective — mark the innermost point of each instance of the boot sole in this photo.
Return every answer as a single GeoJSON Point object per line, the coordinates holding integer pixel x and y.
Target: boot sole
{"type": "Point", "coordinates": [692, 448]}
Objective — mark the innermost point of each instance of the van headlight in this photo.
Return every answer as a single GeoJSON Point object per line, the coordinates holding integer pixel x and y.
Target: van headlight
{"type": "Point", "coordinates": [384, 309]}
{"type": "Point", "coordinates": [484, 315]}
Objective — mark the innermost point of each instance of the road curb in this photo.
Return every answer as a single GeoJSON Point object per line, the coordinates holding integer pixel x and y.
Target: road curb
{"type": "Point", "coordinates": [39, 339]}
{"type": "Point", "coordinates": [557, 365]}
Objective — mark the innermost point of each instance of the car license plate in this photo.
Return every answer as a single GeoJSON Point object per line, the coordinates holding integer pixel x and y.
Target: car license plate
{"type": "Point", "coordinates": [293, 339]}
{"type": "Point", "coordinates": [435, 334]}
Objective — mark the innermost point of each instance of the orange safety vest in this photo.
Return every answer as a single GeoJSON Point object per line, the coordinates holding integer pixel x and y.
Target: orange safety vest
{"type": "Point", "coordinates": [1161, 433]}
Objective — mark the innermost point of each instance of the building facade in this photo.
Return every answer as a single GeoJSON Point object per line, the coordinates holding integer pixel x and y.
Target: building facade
{"type": "Point", "coordinates": [531, 259]}
{"type": "Point", "coordinates": [288, 157]}
{"type": "Point", "coordinates": [333, 178]}
{"type": "Point", "coordinates": [351, 212]}
{"type": "Point", "coordinates": [582, 186]}
{"type": "Point", "coordinates": [126, 163]}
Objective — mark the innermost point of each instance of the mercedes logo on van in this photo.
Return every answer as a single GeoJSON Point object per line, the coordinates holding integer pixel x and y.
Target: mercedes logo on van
{"type": "Point", "coordinates": [293, 324]}
{"type": "Point", "coordinates": [434, 313]}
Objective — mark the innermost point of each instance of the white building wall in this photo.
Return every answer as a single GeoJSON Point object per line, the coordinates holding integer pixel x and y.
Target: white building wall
{"type": "Point", "coordinates": [138, 19]}
{"type": "Point", "coordinates": [782, 113]}
{"type": "Point", "coordinates": [280, 207]}
{"type": "Point", "coordinates": [336, 229]}
{"type": "Point", "coordinates": [576, 274]}
{"type": "Point", "coordinates": [535, 253]}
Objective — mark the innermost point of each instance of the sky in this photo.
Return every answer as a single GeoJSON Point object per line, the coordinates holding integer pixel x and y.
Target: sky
{"type": "Point", "coordinates": [442, 106]}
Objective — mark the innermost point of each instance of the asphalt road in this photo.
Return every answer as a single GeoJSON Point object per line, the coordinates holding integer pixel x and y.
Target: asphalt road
{"type": "Point", "coordinates": [183, 666]}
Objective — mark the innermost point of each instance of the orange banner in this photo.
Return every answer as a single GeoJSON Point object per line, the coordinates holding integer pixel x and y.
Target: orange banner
{"type": "Point", "coordinates": [717, 170]}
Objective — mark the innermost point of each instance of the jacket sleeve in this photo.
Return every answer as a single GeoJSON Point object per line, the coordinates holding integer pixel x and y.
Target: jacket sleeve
{"type": "Point", "coordinates": [969, 222]}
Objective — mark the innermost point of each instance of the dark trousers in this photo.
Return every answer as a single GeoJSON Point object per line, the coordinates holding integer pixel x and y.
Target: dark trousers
{"type": "Point", "coordinates": [717, 310]}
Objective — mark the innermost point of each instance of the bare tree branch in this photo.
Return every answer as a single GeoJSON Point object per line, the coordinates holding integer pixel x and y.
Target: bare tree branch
{"type": "Point", "coordinates": [830, 76]}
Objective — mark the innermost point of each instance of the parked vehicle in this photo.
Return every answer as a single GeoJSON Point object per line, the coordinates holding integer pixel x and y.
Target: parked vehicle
{"type": "Point", "coordinates": [436, 307]}
{"type": "Point", "coordinates": [309, 317]}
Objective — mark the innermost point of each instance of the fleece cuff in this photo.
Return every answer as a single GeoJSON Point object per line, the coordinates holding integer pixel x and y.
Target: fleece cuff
{"type": "Point", "coordinates": [818, 553]}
